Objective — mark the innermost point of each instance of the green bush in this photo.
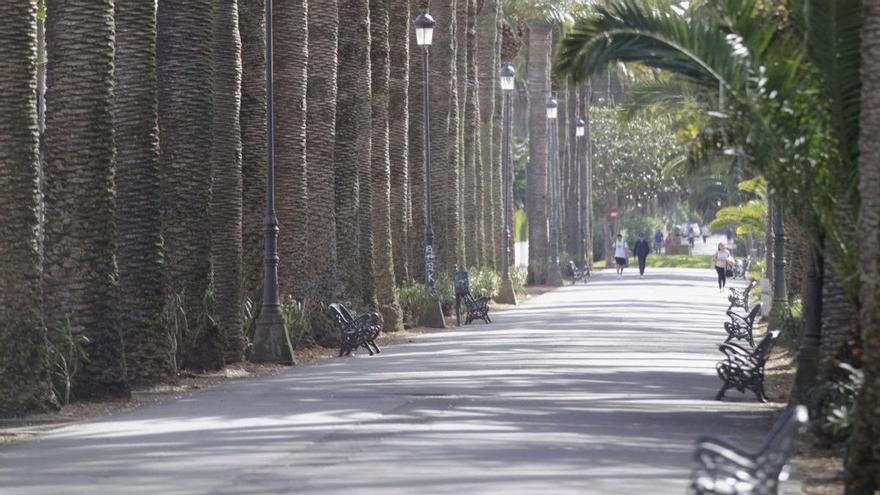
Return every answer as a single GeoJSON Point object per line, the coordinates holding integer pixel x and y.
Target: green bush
{"type": "Point", "coordinates": [484, 282]}
{"type": "Point", "coordinates": [445, 292]}
{"type": "Point", "coordinates": [519, 275]}
{"type": "Point", "coordinates": [296, 321]}
{"type": "Point", "coordinates": [415, 300]}
{"type": "Point", "coordinates": [833, 403]}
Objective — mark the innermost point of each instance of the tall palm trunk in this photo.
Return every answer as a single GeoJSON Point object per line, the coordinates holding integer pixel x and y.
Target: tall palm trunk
{"type": "Point", "coordinates": [79, 277]}
{"type": "Point", "coordinates": [226, 199]}
{"type": "Point", "coordinates": [185, 75]}
{"type": "Point", "coordinates": [445, 168]}
{"type": "Point", "coordinates": [863, 462]}
{"type": "Point", "coordinates": [252, 30]}
{"type": "Point", "coordinates": [24, 378]}
{"type": "Point", "coordinates": [323, 23]}
{"type": "Point", "coordinates": [399, 22]}
{"type": "Point", "coordinates": [352, 144]}
{"type": "Point", "coordinates": [381, 168]}
{"type": "Point", "coordinates": [470, 125]}
{"type": "Point", "coordinates": [536, 184]}
{"type": "Point", "coordinates": [573, 218]}
{"type": "Point", "coordinates": [487, 78]}
{"type": "Point", "coordinates": [290, 28]}
{"type": "Point", "coordinates": [149, 345]}
{"type": "Point", "coordinates": [416, 154]}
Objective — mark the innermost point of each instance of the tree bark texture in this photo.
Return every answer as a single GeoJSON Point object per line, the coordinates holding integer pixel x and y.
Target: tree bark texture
{"type": "Point", "coordinates": [470, 127]}
{"type": "Point", "coordinates": [80, 277]}
{"type": "Point", "coordinates": [488, 66]}
{"type": "Point", "coordinates": [399, 25]}
{"type": "Point", "coordinates": [573, 217]}
{"type": "Point", "coordinates": [226, 194]}
{"type": "Point", "coordinates": [25, 384]}
{"type": "Point", "coordinates": [536, 176]}
{"type": "Point", "coordinates": [149, 344]}
{"type": "Point", "coordinates": [416, 154]}
{"type": "Point", "coordinates": [291, 195]}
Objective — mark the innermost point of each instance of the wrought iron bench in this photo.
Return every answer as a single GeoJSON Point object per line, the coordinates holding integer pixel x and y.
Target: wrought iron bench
{"type": "Point", "coordinates": [742, 327]}
{"type": "Point", "coordinates": [578, 274]}
{"type": "Point", "coordinates": [356, 330]}
{"type": "Point", "coordinates": [725, 468]}
{"type": "Point", "coordinates": [739, 298]}
{"type": "Point", "coordinates": [744, 369]}
{"type": "Point", "coordinates": [477, 308]}
{"type": "Point", "coordinates": [741, 268]}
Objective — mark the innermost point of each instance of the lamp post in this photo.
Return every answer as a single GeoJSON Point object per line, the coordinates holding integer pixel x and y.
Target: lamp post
{"type": "Point", "coordinates": [580, 131]}
{"type": "Point", "coordinates": [269, 340]}
{"type": "Point", "coordinates": [554, 274]}
{"type": "Point", "coordinates": [506, 295]}
{"type": "Point", "coordinates": [424, 26]}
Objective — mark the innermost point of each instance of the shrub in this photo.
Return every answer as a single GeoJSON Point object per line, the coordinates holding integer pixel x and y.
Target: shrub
{"type": "Point", "coordinates": [445, 292]}
{"type": "Point", "coordinates": [519, 275]}
{"type": "Point", "coordinates": [296, 321]}
{"type": "Point", "coordinates": [833, 403]}
{"type": "Point", "coordinates": [484, 282]}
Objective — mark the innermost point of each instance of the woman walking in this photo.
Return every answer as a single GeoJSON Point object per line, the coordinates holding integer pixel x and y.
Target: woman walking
{"type": "Point", "coordinates": [723, 262]}
{"type": "Point", "coordinates": [620, 256]}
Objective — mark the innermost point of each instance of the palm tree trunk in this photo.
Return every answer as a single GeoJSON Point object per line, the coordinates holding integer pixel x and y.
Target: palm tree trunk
{"type": "Point", "coordinates": [252, 30]}
{"type": "Point", "coordinates": [323, 23]}
{"type": "Point", "coordinates": [416, 155]}
{"type": "Point", "coordinates": [79, 257]}
{"type": "Point", "coordinates": [470, 124]}
{"type": "Point", "coordinates": [185, 76]}
{"type": "Point", "coordinates": [392, 315]}
{"type": "Point", "coordinates": [352, 145]}
{"type": "Point", "coordinates": [25, 385]}
{"type": "Point", "coordinates": [863, 460]}
{"type": "Point", "coordinates": [586, 175]}
{"type": "Point", "coordinates": [226, 197]}
{"type": "Point", "coordinates": [487, 78]}
{"type": "Point", "coordinates": [291, 200]}
{"type": "Point", "coordinates": [536, 184]}
{"type": "Point", "coordinates": [399, 23]}
{"type": "Point", "coordinates": [149, 344]}
{"type": "Point", "coordinates": [574, 217]}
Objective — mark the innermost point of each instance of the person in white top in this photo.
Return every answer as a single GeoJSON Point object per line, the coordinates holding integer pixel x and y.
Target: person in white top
{"type": "Point", "coordinates": [619, 247]}
{"type": "Point", "coordinates": [723, 261]}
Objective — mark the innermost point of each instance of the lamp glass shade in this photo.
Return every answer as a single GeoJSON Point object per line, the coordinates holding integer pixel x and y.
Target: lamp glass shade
{"type": "Point", "coordinates": [580, 128]}
{"type": "Point", "coordinates": [424, 29]}
{"type": "Point", "coordinates": [552, 107]}
{"type": "Point", "coordinates": [507, 75]}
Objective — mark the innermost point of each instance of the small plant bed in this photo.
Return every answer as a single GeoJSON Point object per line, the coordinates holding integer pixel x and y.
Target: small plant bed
{"type": "Point", "coordinates": [671, 261]}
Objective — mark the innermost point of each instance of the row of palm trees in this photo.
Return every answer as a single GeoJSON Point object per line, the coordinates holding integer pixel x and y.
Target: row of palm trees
{"type": "Point", "coordinates": [133, 225]}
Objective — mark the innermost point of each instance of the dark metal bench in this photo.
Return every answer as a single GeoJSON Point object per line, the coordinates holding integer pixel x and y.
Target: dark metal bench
{"type": "Point", "coordinates": [739, 298]}
{"type": "Point", "coordinates": [477, 308]}
{"type": "Point", "coordinates": [742, 327]}
{"type": "Point", "coordinates": [744, 369]}
{"type": "Point", "coordinates": [578, 274]}
{"type": "Point", "coordinates": [741, 268]}
{"type": "Point", "coordinates": [725, 468]}
{"type": "Point", "coordinates": [356, 330]}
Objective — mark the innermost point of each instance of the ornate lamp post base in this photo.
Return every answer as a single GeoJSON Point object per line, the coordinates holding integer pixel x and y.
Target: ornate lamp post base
{"type": "Point", "coordinates": [506, 294]}
{"type": "Point", "coordinates": [432, 316]}
{"type": "Point", "coordinates": [270, 344]}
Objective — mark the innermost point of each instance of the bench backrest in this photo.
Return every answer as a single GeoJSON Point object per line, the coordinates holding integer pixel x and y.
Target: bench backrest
{"type": "Point", "coordinates": [462, 282]}
{"type": "Point", "coordinates": [340, 313]}
{"type": "Point", "coordinates": [573, 266]}
{"type": "Point", "coordinates": [748, 290]}
{"type": "Point", "coordinates": [774, 454]}
{"type": "Point", "coordinates": [750, 319]}
{"type": "Point", "coordinates": [762, 350]}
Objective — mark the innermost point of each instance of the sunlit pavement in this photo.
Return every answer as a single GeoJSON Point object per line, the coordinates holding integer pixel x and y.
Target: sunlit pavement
{"type": "Point", "coordinates": [588, 389]}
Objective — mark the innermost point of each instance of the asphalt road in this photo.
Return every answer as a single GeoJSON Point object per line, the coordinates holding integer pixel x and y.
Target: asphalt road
{"type": "Point", "coordinates": [589, 389]}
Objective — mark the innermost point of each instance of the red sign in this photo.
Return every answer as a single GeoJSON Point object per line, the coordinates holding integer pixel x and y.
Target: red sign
{"type": "Point", "coordinates": [613, 212]}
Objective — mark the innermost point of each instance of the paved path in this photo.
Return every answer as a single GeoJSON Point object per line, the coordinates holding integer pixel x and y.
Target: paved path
{"type": "Point", "coordinates": [597, 389]}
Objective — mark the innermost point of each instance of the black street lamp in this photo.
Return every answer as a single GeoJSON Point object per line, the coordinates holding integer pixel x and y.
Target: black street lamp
{"type": "Point", "coordinates": [580, 131]}
{"type": "Point", "coordinates": [506, 295]}
{"type": "Point", "coordinates": [424, 25]}
{"type": "Point", "coordinates": [554, 274]}
{"type": "Point", "coordinates": [269, 340]}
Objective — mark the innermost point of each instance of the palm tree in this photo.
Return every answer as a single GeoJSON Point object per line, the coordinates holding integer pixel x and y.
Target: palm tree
{"type": "Point", "coordinates": [399, 22]}
{"type": "Point", "coordinates": [291, 63]}
{"type": "Point", "coordinates": [323, 24]}
{"type": "Point", "coordinates": [352, 145]}
{"type": "Point", "coordinates": [470, 125]}
{"type": "Point", "coordinates": [79, 277]}
{"type": "Point", "coordinates": [487, 79]}
{"type": "Point", "coordinates": [226, 199]}
{"type": "Point", "coordinates": [445, 169]}
{"type": "Point", "coordinates": [185, 76]}
{"type": "Point", "coordinates": [537, 179]}
{"type": "Point", "coordinates": [863, 473]}
{"type": "Point", "coordinates": [149, 345]}
{"type": "Point", "coordinates": [24, 382]}
{"type": "Point", "coordinates": [252, 30]}
{"type": "Point", "coordinates": [383, 263]}
{"type": "Point", "coordinates": [416, 148]}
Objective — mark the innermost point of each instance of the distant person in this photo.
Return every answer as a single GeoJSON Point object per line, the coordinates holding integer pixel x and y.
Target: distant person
{"type": "Point", "coordinates": [641, 250]}
{"type": "Point", "coordinates": [668, 242]}
{"type": "Point", "coordinates": [658, 241]}
{"type": "Point", "coordinates": [729, 235]}
{"type": "Point", "coordinates": [723, 262]}
{"type": "Point", "coordinates": [705, 232]}
{"type": "Point", "coordinates": [691, 238]}
{"type": "Point", "coordinates": [619, 246]}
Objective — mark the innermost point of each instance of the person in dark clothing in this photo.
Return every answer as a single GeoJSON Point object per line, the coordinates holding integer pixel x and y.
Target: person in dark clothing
{"type": "Point", "coordinates": [641, 250]}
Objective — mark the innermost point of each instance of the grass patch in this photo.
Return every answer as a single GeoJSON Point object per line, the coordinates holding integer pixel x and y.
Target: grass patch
{"type": "Point", "coordinates": [670, 261]}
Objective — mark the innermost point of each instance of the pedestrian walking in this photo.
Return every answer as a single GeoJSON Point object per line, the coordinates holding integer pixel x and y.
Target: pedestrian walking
{"type": "Point", "coordinates": [723, 262]}
{"type": "Point", "coordinates": [641, 250]}
{"type": "Point", "coordinates": [691, 238]}
{"type": "Point", "coordinates": [619, 246]}
{"type": "Point", "coordinates": [705, 231]}
{"type": "Point", "coordinates": [658, 241]}
{"type": "Point", "coordinates": [668, 242]}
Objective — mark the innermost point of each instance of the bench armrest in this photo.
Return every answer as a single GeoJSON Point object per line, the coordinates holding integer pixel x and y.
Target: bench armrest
{"type": "Point", "coordinates": [712, 457]}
